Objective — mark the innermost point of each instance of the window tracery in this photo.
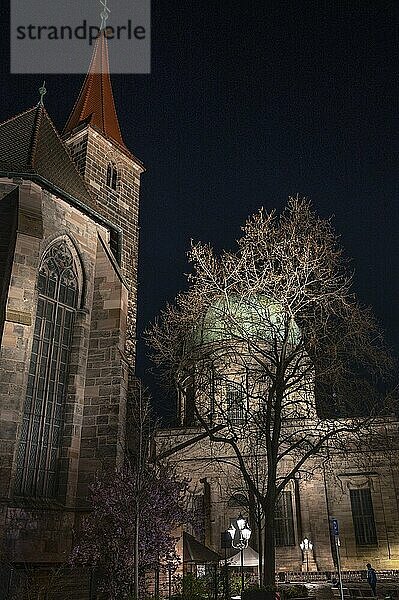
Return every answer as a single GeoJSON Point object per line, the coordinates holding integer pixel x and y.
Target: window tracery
{"type": "Point", "coordinates": [58, 295]}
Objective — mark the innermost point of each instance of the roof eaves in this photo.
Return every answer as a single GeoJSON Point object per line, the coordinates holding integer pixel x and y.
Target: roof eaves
{"type": "Point", "coordinates": [45, 183]}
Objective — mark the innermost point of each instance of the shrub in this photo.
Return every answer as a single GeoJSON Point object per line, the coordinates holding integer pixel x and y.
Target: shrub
{"type": "Point", "coordinates": [257, 593]}
{"type": "Point", "coordinates": [235, 583]}
{"type": "Point", "coordinates": [294, 591]}
{"type": "Point", "coordinates": [194, 588]}
{"type": "Point", "coordinates": [269, 592]}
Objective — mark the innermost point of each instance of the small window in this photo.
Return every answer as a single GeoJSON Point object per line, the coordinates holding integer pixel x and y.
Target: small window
{"type": "Point", "coordinates": [363, 517]}
{"type": "Point", "coordinates": [235, 403]}
{"type": "Point", "coordinates": [283, 521]}
{"type": "Point", "coordinates": [112, 176]}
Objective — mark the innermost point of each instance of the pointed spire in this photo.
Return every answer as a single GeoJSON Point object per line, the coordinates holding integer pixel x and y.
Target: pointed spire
{"type": "Point", "coordinates": [95, 104]}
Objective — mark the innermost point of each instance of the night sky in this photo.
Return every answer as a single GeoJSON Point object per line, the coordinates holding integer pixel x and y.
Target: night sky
{"type": "Point", "coordinates": [248, 103]}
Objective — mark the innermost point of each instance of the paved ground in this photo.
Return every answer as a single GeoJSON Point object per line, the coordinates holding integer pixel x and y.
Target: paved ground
{"type": "Point", "coordinates": [323, 591]}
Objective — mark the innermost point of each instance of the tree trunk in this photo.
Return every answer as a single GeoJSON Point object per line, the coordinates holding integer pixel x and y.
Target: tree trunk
{"type": "Point", "coordinates": [136, 555]}
{"type": "Point", "coordinates": [269, 551]}
{"type": "Point", "coordinates": [260, 549]}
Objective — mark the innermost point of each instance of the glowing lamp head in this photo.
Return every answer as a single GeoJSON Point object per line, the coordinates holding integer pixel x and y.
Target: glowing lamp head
{"type": "Point", "coordinates": [306, 544]}
{"type": "Point", "coordinates": [246, 532]}
{"type": "Point", "coordinates": [241, 522]}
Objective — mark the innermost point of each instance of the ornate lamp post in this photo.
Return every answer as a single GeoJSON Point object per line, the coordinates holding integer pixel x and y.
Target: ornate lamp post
{"type": "Point", "coordinates": [306, 547]}
{"type": "Point", "coordinates": [239, 540]}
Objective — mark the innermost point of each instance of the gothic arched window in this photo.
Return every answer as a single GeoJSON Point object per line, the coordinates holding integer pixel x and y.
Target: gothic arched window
{"type": "Point", "coordinates": [112, 176]}
{"type": "Point", "coordinates": [58, 293]}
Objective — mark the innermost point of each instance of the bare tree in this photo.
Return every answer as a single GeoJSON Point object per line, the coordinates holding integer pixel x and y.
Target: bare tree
{"type": "Point", "coordinates": [272, 355]}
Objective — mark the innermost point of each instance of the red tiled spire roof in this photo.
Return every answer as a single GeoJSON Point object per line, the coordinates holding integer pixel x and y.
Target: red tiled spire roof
{"type": "Point", "coordinates": [95, 104]}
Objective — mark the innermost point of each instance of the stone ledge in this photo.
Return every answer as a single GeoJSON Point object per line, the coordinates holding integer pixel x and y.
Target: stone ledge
{"type": "Point", "coordinates": [19, 316]}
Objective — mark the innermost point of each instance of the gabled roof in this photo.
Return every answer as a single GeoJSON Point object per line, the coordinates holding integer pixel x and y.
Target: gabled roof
{"type": "Point", "coordinates": [30, 143]}
{"type": "Point", "coordinates": [95, 104]}
{"type": "Point", "coordinates": [195, 552]}
{"type": "Point", "coordinates": [250, 558]}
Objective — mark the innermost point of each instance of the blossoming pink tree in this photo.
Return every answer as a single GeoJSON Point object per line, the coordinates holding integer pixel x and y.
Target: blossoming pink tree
{"type": "Point", "coordinates": [135, 511]}
{"type": "Point", "coordinates": [108, 533]}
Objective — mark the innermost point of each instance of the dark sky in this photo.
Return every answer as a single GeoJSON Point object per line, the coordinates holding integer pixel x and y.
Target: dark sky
{"type": "Point", "coordinates": [247, 103]}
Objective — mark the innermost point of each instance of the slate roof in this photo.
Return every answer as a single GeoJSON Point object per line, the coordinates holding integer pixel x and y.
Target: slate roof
{"type": "Point", "coordinates": [30, 144]}
{"type": "Point", "coordinates": [95, 104]}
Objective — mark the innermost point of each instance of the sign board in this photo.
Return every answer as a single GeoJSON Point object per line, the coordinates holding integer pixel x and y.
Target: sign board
{"type": "Point", "coordinates": [334, 527]}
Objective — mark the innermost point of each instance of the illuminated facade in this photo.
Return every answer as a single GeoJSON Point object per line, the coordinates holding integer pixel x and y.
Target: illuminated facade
{"type": "Point", "coordinates": [224, 393]}
{"type": "Point", "coordinates": [69, 245]}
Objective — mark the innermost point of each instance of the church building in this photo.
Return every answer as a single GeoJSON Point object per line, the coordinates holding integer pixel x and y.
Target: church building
{"type": "Point", "coordinates": [69, 205]}
{"type": "Point", "coordinates": [347, 490]}
{"type": "Point", "coordinates": [68, 262]}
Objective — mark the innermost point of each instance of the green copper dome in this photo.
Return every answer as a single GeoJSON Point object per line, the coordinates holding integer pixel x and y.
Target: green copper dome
{"type": "Point", "coordinates": [245, 318]}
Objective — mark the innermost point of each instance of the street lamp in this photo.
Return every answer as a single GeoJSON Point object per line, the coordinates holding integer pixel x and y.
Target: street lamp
{"type": "Point", "coordinates": [306, 546]}
{"type": "Point", "coordinates": [239, 540]}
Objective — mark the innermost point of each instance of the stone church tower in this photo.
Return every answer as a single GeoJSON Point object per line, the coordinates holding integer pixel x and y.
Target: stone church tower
{"type": "Point", "coordinates": [68, 282]}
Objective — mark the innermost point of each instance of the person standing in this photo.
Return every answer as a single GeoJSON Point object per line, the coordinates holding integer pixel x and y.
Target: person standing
{"type": "Point", "coordinates": [372, 578]}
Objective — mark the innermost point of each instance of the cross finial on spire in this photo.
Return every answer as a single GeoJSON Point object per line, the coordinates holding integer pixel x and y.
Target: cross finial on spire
{"type": "Point", "coordinates": [42, 92]}
{"type": "Point", "coordinates": [104, 14]}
